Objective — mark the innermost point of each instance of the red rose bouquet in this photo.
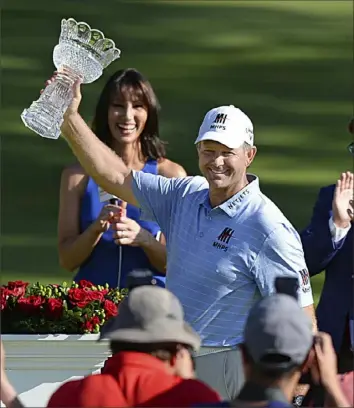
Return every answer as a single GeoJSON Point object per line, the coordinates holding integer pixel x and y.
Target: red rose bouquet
{"type": "Point", "coordinates": [76, 308]}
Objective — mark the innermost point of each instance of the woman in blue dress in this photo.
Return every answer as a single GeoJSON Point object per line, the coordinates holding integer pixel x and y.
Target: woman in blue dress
{"type": "Point", "coordinates": [126, 119]}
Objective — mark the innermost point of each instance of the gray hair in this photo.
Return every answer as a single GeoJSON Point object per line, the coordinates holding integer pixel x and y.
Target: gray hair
{"type": "Point", "coordinates": [246, 146]}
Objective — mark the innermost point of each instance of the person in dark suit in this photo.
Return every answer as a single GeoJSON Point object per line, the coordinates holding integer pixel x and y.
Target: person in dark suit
{"type": "Point", "coordinates": [328, 245]}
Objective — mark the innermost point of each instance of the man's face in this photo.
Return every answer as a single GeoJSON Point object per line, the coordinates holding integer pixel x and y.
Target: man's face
{"type": "Point", "coordinates": [183, 365]}
{"type": "Point", "coordinates": [222, 166]}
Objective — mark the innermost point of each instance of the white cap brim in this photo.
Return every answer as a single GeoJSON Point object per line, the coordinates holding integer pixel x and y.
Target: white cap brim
{"type": "Point", "coordinates": [227, 140]}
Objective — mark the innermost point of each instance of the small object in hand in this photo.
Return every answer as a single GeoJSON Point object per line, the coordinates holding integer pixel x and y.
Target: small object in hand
{"type": "Point", "coordinates": [288, 286]}
{"type": "Point", "coordinates": [297, 401]}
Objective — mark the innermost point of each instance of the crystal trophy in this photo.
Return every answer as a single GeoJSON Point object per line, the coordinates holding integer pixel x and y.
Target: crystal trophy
{"type": "Point", "coordinates": [82, 53]}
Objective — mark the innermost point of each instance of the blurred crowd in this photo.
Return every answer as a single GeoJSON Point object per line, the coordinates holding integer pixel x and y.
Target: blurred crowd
{"type": "Point", "coordinates": [152, 359]}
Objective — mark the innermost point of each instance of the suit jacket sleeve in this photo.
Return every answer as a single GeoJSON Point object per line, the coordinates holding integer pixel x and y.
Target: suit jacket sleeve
{"type": "Point", "coordinates": [319, 246]}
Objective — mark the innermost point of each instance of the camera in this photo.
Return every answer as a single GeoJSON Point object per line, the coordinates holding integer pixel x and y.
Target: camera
{"type": "Point", "coordinates": [287, 286]}
{"type": "Point", "coordinates": [139, 277]}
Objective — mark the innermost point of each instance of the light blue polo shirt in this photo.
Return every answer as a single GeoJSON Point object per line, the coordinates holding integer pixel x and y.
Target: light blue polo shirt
{"type": "Point", "coordinates": [221, 260]}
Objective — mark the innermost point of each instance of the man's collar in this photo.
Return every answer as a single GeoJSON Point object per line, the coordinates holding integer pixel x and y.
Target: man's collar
{"type": "Point", "coordinates": [234, 203]}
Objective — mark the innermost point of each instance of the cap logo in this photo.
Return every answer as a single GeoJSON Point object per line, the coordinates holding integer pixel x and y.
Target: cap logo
{"type": "Point", "coordinates": [220, 118]}
{"type": "Point", "coordinates": [219, 121]}
{"type": "Point", "coordinates": [249, 133]}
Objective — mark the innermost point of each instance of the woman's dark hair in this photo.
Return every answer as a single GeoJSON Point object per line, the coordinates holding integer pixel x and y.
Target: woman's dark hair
{"type": "Point", "coordinates": [131, 80]}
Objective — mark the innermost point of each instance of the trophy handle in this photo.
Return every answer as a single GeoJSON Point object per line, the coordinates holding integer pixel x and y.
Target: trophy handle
{"type": "Point", "coordinates": [45, 115]}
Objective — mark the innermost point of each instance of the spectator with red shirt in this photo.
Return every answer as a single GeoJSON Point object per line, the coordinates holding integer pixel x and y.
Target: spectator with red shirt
{"type": "Point", "coordinates": [151, 363]}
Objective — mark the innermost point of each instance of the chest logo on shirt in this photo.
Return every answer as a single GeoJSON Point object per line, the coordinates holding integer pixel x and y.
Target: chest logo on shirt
{"type": "Point", "coordinates": [223, 239]}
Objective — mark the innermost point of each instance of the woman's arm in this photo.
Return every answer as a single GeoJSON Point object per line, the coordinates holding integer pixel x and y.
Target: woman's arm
{"type": "Point", "coordinates": [155, 250]}
{"type": "Point", "coordinates": [74, 248]}
{"type": "Point", "coordinates": [170, 169]}
{"type": "Point", "coordinates": [8, 394]}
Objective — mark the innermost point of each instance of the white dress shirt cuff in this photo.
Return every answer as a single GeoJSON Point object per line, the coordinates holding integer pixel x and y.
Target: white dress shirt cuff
{"type": "Point", "coordinates": [337, 233]}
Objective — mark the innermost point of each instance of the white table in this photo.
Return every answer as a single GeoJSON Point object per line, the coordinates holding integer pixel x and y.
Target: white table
{"type": "Point", "coordinates": [37, 364]}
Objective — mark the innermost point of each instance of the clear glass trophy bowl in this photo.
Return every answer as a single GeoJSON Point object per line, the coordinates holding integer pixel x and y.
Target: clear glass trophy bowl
{"type": "Point", "coordinates": [82, 53]}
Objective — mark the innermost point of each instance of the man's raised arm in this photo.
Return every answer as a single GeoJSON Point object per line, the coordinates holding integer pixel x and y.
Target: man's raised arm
{"type": "Point", "coordinates": [98, 160]}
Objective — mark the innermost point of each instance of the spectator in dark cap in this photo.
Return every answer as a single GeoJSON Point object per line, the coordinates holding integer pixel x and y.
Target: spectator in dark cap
{"type": "Point", "coordinates": [278, 338]}
{"type": "Point", "coordinates": [278, 348]}
{"type": "Point", "coordinates": [151, 363]}
{"type": "Point", "coordinates": [328, 246]}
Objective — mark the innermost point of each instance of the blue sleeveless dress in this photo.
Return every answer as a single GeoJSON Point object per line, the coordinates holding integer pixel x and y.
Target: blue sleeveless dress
{"type": "Point", "coordinates": [109, 262]}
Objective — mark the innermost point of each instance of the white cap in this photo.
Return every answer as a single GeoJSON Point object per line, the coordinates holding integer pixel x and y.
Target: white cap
{"type": "Point", "coordinates": [227, 125]}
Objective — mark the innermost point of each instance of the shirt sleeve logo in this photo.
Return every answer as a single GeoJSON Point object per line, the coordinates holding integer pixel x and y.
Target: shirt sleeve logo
{"type": "Point", "coordinates": [305, 280]}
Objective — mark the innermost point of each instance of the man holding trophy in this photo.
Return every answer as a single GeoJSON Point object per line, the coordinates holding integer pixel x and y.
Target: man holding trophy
{"type": "Point", "coordinates": [168, 196]}
{"type": "Point", "coordinates": [217, 274]}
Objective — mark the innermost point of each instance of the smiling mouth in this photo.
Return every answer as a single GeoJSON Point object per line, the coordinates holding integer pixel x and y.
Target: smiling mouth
{"type": "Point", "coordinates": [218, 172]}
{"type": "Point", "coordinates": [126, 129]}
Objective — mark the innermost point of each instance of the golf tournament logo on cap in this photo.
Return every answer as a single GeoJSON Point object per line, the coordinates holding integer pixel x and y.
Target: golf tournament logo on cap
{"type": "Point", "coordinates": [219, 122]}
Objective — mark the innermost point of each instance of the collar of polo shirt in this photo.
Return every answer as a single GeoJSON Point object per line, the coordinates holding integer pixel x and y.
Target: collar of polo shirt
{"type": "Point", "coordinates": [234, 203]}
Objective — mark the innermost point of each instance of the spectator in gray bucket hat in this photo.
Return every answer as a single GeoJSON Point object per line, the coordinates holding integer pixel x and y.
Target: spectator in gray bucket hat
{"type": "Point", "coordinates": [151, 315]}
{"type": "Point", "coordinates": [151, 363]}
